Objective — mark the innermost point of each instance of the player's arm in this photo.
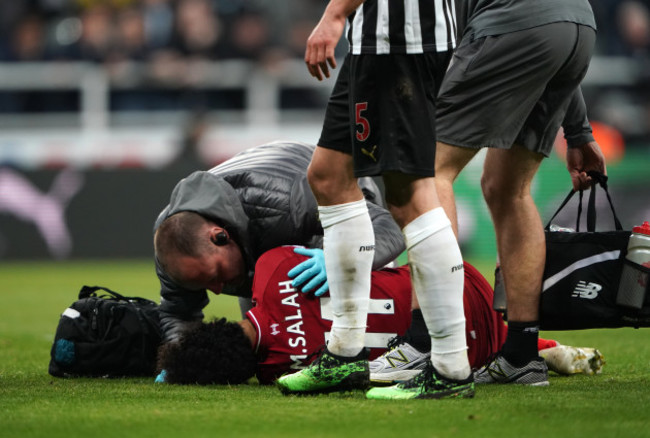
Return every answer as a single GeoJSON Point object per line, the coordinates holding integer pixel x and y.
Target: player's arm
{"type": "Point", "coordinates": [577, 129]}
{"type": "Point", "coordinates": [319, 54]}
{"type": "Point", "coordinates": [583, 153]}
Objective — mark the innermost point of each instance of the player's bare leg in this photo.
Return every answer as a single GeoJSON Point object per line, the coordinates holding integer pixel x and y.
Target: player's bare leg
{"type": "Point", "coordinates": [506, 185]}
{"type": "Point", "coordinates": [437, 276]}
{"type": "Point", "coordinates": [348, 246]}
{"type": "Point", "coordinates": [450, 161]}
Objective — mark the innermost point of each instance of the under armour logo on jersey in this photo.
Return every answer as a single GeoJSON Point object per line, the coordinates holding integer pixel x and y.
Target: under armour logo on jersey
{"type": "Point", "coordinates": [586, 290]}
{"type": "Point", "coordinates": [370, 153]}
{"type": "Point", "coordinates": [274, 329]}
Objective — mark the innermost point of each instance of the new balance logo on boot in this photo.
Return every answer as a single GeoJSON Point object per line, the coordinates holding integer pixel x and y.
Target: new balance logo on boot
{"type": "Point", "coordinates": [401, 362]}
{"type": "Point", "coordinates": [499, 370]}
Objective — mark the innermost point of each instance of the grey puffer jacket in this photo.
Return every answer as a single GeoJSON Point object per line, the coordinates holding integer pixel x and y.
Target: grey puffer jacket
{"type": "Point", "coordinates": [263, 198]}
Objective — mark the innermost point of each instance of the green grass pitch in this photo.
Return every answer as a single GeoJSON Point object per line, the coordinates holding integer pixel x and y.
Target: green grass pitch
{"type": "Point", "coordinates": [34, 404]}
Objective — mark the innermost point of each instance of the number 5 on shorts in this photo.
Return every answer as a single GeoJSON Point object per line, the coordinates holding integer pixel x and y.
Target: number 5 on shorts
{"type": "Point", "coordinates": [363, 125]}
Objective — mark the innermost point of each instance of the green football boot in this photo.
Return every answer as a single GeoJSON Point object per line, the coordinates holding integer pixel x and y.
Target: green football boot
{"type": "Point", "coordinates": [328, 373]}
{"type": "Point", "coordinates": [427, 384]}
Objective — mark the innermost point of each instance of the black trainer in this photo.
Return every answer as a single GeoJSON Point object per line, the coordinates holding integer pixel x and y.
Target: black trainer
{"type": "Point", "coordinates": [499, 370]}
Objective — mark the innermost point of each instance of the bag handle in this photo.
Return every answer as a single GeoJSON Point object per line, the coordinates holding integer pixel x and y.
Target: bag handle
{"type": "Point", "coordinates": [591, 208]}
{"type": "Point", "coordinates": [601, 180]}
{"type": "Point", "coordinates": [91, 291]}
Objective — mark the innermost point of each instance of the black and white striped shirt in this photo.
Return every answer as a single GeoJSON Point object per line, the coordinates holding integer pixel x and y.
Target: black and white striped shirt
{"type": "Point", "coordinates": [380, 27]}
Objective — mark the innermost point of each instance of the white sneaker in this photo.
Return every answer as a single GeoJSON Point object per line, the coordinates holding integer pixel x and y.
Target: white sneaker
{"type": "Point", "coordinates": [566, 360]}
{"type": "Point", "coordinates": [400, 363]}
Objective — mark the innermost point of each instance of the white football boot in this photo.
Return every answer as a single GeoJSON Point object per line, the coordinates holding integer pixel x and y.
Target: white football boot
{"type": "Point", "coordinates": [564, 359]}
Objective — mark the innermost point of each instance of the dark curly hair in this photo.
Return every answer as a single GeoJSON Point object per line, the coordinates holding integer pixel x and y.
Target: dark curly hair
{"type": "Point", "coordinates": [217, 352]}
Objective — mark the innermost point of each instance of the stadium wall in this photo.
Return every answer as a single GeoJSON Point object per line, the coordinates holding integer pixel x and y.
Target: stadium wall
{"type": "Point", "coordinates": [109, 213]}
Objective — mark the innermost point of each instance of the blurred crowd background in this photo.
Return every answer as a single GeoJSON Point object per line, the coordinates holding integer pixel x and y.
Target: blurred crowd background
{"type": "Point", "coordinates": [110, 31]}
{"type": "Point", "coordinates": [173, 39]}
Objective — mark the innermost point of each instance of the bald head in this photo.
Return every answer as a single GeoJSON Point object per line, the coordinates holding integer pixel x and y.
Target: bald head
{"type": "Point", "coordinates": [187, 249]}
{"type": "Point", "coordinates": [183, 234]}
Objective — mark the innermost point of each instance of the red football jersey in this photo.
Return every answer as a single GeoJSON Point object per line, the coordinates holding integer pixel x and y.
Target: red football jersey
{"type": "Point", "coordinates": [292, 326]}
{"type": "Point", "coordinates": [484, 327]}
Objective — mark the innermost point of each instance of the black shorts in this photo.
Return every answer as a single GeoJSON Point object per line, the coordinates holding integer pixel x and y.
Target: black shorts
{"type": "Point", "coordinates": [502, 90]}
{"type": "Point", "coordinates": [382, 111]}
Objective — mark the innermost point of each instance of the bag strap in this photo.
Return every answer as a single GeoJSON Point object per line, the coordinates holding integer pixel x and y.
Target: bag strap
{"type": "Point", "coordinates": [91, 291]}
{"type": "Point", "coordinates": [591, 209]}
{"type": "Point", "coordinates": [601, 180]}
{"type": "Point", "coordinates": [566, 200]}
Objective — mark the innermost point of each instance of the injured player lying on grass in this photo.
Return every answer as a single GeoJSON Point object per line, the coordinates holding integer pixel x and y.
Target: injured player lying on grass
{"type": "Point", "coordinates": [286, 329]}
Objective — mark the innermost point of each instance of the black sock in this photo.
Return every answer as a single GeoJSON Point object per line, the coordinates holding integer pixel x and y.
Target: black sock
{"type": "Point", "coordinates": [417, 334]}
{"type": "Point", "coordinates": [521, 343]}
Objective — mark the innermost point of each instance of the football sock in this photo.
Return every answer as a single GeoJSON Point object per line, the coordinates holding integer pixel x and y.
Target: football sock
{"type": "Point", "coordinates": [417, 334]}
{"type": "Point", "coordinates": [349, 248]}
{"type": "Point", "coordinates": [521, 342]}
{"type": "Point", "coordinates": [438, 279]}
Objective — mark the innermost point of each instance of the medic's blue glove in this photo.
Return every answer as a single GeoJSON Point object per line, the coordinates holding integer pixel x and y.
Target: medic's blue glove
{"type": "Point", "coordinates": [311, 271]}
{"type": "Point", "coordinates": [160, 378]}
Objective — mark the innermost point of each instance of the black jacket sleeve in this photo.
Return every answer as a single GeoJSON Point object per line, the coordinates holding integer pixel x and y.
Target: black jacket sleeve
{"type": "Point", "coordinates": [178, 307]}
{"type": "Point", "coordinates": [577, 129]}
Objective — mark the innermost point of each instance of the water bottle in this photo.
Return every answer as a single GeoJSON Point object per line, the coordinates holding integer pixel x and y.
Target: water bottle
{"type": "Point", "coordinates": [636, 271]}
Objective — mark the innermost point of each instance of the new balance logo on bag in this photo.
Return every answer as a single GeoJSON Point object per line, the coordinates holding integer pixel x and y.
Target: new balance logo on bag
{"type": "Point", "coordinates": [582, 272]}
{"type": "Point", "coordinates": [586, 290]}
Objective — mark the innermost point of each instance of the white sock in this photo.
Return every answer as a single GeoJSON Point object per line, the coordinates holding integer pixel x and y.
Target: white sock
{"type": "Point", "coordinates": [438, 280]}
{"type": "Point", "coordinates": [349, 246]}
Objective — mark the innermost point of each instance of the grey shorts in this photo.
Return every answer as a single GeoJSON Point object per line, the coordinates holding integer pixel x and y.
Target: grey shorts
{"type": "Point", "coordinates": [513, 88]}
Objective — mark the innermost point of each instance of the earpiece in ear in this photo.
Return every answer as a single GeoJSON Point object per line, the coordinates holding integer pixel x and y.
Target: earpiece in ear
{"type": "Point", "coordinates": [221, 238]}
